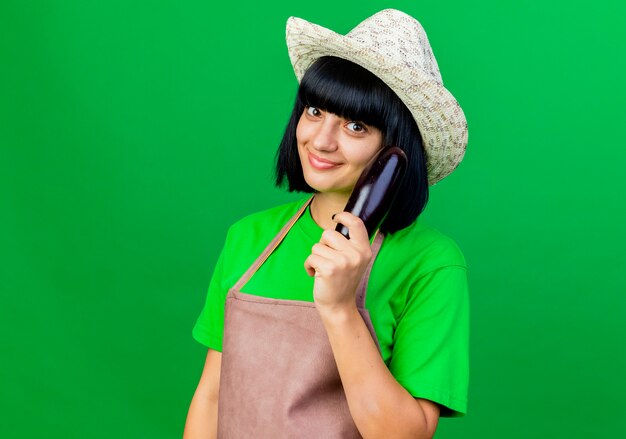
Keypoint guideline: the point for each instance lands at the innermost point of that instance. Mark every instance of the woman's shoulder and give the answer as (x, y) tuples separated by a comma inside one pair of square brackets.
[(424, 246)]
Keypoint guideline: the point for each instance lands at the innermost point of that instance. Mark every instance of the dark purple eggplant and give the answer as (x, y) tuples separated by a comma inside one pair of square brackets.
[(375, 190)]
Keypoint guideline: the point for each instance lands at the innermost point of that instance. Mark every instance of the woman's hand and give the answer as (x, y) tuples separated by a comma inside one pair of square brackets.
[(338, 264)]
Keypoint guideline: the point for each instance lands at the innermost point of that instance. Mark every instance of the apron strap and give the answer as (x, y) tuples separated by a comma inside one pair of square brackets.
[(361, 289), (270, 248)]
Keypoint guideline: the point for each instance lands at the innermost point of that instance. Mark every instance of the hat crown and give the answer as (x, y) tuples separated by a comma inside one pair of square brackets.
[(400, 39)]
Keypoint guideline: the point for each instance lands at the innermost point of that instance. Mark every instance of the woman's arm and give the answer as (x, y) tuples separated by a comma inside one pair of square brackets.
[(379, 405), (202, 415)]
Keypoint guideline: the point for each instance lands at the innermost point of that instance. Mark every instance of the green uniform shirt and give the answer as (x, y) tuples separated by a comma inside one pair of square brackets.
[(417, 297)]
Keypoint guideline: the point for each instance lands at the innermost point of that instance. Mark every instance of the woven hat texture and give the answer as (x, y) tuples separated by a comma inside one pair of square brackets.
[(393, 46)]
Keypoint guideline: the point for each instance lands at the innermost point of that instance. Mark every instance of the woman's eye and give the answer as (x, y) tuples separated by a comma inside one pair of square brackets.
[(356, 127), (313, 111)]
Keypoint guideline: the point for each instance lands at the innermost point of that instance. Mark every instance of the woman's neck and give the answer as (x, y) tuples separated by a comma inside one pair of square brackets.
[(324, 205)]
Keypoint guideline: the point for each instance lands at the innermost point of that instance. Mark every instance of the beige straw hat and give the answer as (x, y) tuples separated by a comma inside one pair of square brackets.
[(393, 46)]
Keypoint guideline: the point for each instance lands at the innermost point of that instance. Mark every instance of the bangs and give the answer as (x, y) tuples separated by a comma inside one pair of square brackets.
[(347, 90)]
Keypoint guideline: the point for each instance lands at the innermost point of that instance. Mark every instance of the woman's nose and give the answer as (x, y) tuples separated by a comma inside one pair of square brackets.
[(325, 138)]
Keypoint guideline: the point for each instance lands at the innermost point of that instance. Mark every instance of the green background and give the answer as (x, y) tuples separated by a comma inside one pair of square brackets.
[(133, 134)]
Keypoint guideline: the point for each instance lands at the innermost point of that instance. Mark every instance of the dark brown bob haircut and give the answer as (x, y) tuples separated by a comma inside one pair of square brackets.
[(350, 91)]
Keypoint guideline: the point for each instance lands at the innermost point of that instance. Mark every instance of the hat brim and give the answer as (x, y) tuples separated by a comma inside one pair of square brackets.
[(439, 117)]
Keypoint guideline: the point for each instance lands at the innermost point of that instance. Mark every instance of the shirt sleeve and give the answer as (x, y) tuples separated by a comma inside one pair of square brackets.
[(430, 356), (209, 327)]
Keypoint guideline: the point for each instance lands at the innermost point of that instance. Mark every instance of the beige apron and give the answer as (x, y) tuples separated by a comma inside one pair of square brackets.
[(279, 378)]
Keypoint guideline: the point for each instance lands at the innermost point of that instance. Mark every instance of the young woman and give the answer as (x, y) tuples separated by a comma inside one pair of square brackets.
[(314, 335)]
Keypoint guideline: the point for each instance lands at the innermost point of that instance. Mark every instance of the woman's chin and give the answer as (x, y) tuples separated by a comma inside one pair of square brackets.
[(326, 188)]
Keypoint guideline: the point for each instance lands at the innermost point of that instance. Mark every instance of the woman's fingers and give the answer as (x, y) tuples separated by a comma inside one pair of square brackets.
[(326, 261), (334, 255), (317, 265), (356, 228), (323, 250)]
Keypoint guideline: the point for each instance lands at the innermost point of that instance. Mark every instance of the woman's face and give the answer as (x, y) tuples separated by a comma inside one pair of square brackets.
[(333, 150)]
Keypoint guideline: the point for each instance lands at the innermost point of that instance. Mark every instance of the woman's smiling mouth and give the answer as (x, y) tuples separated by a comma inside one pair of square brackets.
[(320, 163)]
